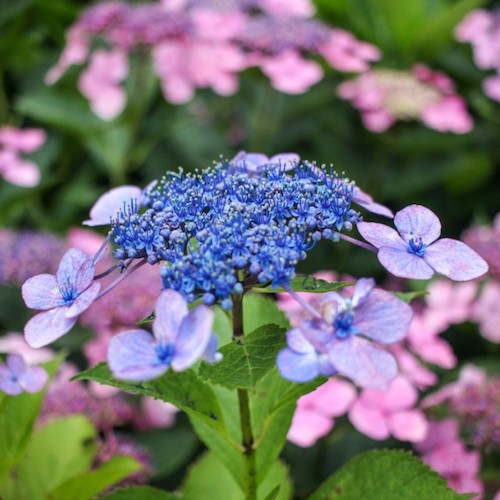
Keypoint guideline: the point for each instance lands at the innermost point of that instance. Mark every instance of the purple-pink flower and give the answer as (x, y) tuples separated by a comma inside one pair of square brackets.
[(62, 298), (342, 339), (13, 142), (180, 337), (415, 250), (17, 377)]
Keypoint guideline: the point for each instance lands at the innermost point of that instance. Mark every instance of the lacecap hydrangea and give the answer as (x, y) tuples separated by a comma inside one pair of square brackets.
[(223, 230)]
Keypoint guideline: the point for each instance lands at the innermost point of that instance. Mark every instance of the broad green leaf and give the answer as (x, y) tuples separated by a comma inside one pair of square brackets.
[(88, 485), (308, 284), (259, 310), (208, 478), (60, 450), (184, 390), (245, 364), (140, 493), (385, 475), (17, 416), (274, 493)]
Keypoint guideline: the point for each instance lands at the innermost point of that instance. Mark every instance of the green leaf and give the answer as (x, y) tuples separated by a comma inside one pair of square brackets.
[(274, 493), (245, 364), (385, 475), (308, 284), (409, 296), (184, 390), (87, 485), (17, 416), (208, 478), (259, 310), (140, 493), (56, 453)]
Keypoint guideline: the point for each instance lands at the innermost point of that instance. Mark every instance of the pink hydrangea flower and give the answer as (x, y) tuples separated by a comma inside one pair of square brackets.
[(385, 96), (379, 414), (301, 8), (487, 312), (13, 142), (444, 452), (315, 413)]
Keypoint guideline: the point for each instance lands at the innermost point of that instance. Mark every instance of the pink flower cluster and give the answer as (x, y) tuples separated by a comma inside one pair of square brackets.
[(445, 452), (481, 28), (384, 96), (197, 44), (14, 142)]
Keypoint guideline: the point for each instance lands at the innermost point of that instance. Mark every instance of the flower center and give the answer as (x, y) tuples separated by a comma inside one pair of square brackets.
[(416, 246), (343, 324), (165, 353)]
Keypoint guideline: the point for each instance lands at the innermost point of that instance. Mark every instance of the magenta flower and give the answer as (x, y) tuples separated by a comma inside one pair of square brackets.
[(16, 377), (62, 298), (339, 342), (180, 337), (415, 252)]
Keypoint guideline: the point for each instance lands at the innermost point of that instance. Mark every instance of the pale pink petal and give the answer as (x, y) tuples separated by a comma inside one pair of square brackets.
[(455, 260), (307, 427), (369, 420), (109, 102), (301, 8), (448, 115), (491, 87), (401, 395), (110, 203), (21, 172), (408, 425), (403, 264), (333, 398), (22, 140), (377, 120)]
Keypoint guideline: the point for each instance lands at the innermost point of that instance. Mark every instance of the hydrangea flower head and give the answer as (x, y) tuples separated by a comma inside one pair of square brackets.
[(180, 337), (341, 341), (62, 298), (16, 377), (415, 250)]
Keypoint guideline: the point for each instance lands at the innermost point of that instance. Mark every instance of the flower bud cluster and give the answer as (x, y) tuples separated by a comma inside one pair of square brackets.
[(221, 231)]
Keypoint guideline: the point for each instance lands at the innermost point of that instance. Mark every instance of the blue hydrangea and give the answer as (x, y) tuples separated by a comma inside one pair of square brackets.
[(221, 231)]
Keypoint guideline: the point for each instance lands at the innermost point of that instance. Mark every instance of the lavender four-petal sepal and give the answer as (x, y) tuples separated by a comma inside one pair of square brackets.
[(62, 298), (180, 338), (415, 250), (17, 377), (372, 316)]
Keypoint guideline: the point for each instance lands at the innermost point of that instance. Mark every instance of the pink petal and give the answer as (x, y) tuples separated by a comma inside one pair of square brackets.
[(171, 309), (193, 338), (110, 203), (401, 395), (47, 327), (455, 260), (369, 420), (22, 140), (23, 173), (383, 317), (403, 264), (132, 356), (333, 398), (416, 220), (364, 363), (491, 87), (380, 235), (109, 102), (307, 427), (41, 292), (408, 425), (377, 120)]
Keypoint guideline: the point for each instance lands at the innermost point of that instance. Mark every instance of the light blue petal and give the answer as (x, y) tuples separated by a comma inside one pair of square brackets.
[(416, 220), (297, 367), (383, 317), (132, 356), (41, 292), (171, 308), (16, 364), (193, 339), (83, 301), (47, 327), (75, 271), (403, 264), (33, 379)]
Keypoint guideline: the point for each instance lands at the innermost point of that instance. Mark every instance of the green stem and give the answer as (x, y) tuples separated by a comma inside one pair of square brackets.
[(247, 439)]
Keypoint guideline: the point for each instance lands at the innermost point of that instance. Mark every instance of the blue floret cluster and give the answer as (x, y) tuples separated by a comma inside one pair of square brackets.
[(224, 230)]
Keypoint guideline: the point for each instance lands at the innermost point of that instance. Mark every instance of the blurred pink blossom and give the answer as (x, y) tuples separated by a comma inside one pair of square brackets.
[(385, 96), (14, 343), (380, 414), (302, 8), (487, 311), (314, 416), (444, 452), (156, 414), (13, 142)]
